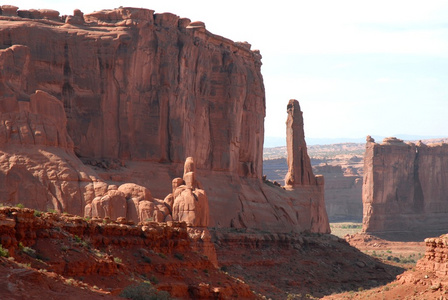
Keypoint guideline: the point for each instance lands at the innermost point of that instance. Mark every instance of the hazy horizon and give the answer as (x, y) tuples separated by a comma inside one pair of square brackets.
[(273, 142)]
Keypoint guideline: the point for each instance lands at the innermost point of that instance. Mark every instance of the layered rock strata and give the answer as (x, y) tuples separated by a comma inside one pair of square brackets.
[(405, 188), (105, 255), (436, 256), (141, 92)]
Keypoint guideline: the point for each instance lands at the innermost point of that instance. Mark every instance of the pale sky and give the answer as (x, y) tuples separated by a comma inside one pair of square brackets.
[(357, 67)]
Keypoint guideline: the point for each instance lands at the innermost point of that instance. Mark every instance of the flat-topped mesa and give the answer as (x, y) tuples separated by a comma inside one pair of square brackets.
[(404, 188), (299, 164)]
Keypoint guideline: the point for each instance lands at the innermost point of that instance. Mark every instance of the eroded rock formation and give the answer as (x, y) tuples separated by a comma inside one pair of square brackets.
[(405, 188), (142, 91), (436, 256), (299, 165)]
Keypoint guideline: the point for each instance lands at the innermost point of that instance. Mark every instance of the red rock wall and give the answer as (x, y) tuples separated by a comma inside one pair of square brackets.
[(146, 86), (143, 91), (405, 188)]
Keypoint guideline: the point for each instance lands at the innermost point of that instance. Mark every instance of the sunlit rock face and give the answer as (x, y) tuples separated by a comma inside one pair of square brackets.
[(140, 93), (405, 188)]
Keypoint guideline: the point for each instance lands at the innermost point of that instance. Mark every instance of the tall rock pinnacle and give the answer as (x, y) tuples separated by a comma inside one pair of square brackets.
[(299, 165)]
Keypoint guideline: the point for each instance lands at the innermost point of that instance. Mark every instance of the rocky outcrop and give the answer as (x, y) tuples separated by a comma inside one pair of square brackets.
[(190, 203), (436, 256), (404, 189), (100, 258), (141, 92)]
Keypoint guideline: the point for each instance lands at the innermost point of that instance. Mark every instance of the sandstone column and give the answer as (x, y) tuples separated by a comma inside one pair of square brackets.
[(299, 165)]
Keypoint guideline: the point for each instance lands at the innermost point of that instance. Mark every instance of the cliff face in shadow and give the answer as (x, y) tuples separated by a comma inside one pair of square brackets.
[(404, 189)]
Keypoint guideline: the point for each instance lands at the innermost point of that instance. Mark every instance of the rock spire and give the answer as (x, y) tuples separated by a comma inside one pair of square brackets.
[(299, 165)]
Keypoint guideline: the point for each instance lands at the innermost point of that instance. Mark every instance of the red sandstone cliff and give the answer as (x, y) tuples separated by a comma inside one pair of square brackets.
[(141, 92), (405, 188)]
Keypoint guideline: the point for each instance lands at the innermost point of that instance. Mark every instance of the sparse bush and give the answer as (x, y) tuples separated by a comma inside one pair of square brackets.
[(20, 205), (3, 252), (27, 250), (162, 255), (81, 242), (147, 259), (154, 279), (37, 213), (118, 260), (144, 291)]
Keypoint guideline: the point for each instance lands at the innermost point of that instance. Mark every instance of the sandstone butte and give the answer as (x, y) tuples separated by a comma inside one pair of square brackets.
[(405, 189), (100, 111)]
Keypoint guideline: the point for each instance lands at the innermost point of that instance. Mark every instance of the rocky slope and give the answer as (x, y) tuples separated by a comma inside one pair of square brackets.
[(66, 256), (404, 190), (292, 266), (140, 93)]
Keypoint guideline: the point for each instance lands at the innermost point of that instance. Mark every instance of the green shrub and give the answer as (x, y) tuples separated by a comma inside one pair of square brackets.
[(144, 291), (3, 252), (20, 205), (37, 213), (81, 242), (27, 250), (118, 260)]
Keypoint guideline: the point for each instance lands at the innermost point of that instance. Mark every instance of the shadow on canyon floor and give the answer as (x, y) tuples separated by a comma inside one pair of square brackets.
[(278, 265)]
